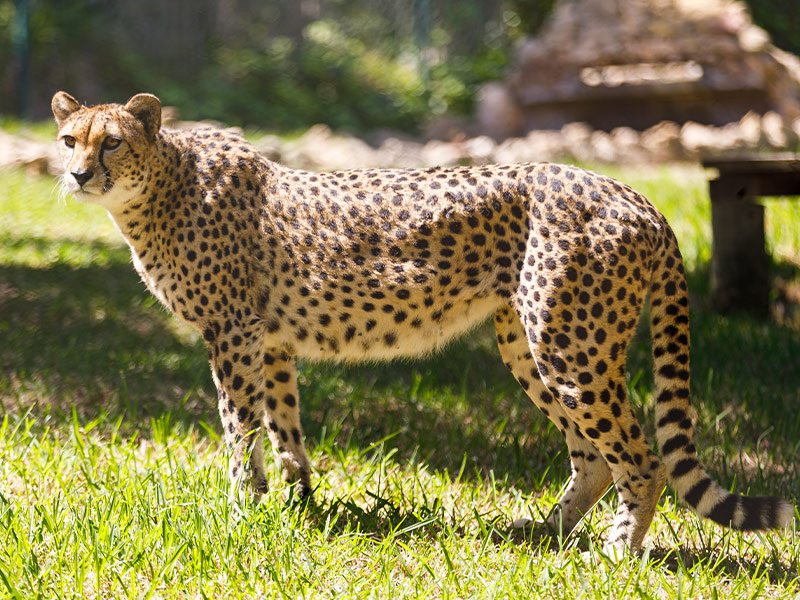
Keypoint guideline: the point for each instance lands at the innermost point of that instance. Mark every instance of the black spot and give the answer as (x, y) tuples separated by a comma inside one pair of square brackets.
[(604, 425)]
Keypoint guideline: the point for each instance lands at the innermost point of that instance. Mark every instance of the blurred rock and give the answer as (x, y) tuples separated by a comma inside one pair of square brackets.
[(636, 63), (749, 127), (603, 147), (269, 146), (576, 138), (480, 150), (661, 142), (499, 113), (545, 145), (518, 150), (446, 127), (775, 132), (396, 152), (627, 143), (446, 154), (697, 139), (321, 149), (20, 151)]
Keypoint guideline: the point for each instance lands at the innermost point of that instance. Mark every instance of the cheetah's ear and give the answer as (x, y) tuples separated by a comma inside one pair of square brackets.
[(63, 106), (147, 109)]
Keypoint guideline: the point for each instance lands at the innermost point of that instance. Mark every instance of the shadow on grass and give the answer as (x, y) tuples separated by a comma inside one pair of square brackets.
[(92, 337), (459, 405), (381, 519), (746, 365), (681, 560)]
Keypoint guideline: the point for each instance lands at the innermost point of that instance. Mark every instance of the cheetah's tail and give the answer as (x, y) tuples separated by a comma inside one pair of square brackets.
[(669, 326)]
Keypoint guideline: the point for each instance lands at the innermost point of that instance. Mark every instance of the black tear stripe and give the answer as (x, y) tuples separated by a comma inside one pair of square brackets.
[(108, 183)]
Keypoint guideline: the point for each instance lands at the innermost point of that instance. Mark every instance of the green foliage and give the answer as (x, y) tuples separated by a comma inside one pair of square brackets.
[(6, 24), (357, 65), (532, 14), (329, 78), (333, 77), (781, 19)]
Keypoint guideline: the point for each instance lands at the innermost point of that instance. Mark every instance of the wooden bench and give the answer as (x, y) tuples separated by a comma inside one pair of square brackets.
[(739, 266)]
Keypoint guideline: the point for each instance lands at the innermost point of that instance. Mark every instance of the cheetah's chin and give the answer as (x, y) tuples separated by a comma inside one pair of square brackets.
[(84, 195), (92, 194)]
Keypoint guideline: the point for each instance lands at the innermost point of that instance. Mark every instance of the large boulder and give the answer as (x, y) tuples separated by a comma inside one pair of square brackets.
[(636, 63)]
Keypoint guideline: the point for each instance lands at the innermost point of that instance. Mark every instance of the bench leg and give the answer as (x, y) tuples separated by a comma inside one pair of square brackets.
[(739, 267)]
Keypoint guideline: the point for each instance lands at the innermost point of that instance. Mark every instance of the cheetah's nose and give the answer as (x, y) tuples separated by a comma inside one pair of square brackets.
[(82, 176)]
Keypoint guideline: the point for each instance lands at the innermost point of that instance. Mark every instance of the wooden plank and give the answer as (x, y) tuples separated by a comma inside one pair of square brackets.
[(756, 165)]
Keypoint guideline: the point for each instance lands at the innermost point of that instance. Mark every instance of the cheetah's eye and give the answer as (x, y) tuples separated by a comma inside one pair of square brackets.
[(69, 141), (111, 142)]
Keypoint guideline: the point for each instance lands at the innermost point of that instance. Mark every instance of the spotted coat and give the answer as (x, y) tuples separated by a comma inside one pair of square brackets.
[(270, 263)]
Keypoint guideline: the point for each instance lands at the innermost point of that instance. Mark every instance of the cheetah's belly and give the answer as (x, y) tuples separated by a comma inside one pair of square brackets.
[(357, 341)]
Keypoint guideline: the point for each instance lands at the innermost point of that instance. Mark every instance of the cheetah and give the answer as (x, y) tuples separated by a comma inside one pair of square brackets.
[(269, 263)]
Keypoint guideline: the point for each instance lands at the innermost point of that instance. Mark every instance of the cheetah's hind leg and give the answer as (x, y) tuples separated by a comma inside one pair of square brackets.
[(591, 475), (584, 377)]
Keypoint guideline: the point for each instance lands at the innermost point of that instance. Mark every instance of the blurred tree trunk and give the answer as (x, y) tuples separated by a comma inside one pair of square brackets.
[(175, 32), (22, 57), (293, 20)]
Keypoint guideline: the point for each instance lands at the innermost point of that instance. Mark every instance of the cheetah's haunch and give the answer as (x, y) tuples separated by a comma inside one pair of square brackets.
[(269, 263)]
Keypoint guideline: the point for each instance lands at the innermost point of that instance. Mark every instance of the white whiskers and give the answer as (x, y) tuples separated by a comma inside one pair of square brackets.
[(60, 190)]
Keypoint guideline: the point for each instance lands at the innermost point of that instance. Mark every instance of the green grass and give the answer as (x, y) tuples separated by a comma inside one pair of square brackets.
[(112, 474), (41, 130)]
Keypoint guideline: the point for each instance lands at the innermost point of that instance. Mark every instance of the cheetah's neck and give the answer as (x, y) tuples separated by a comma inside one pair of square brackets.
[(141, 219)]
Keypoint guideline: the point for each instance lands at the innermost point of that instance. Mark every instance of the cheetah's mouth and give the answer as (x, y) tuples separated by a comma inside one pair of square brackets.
[(87, 191)]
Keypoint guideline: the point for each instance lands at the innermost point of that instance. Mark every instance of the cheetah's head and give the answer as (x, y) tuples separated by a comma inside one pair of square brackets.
[(105, 149)]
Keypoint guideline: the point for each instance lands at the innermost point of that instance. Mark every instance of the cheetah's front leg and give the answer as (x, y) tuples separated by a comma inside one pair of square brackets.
[(255, 388), (238, 373), (283, 419)]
